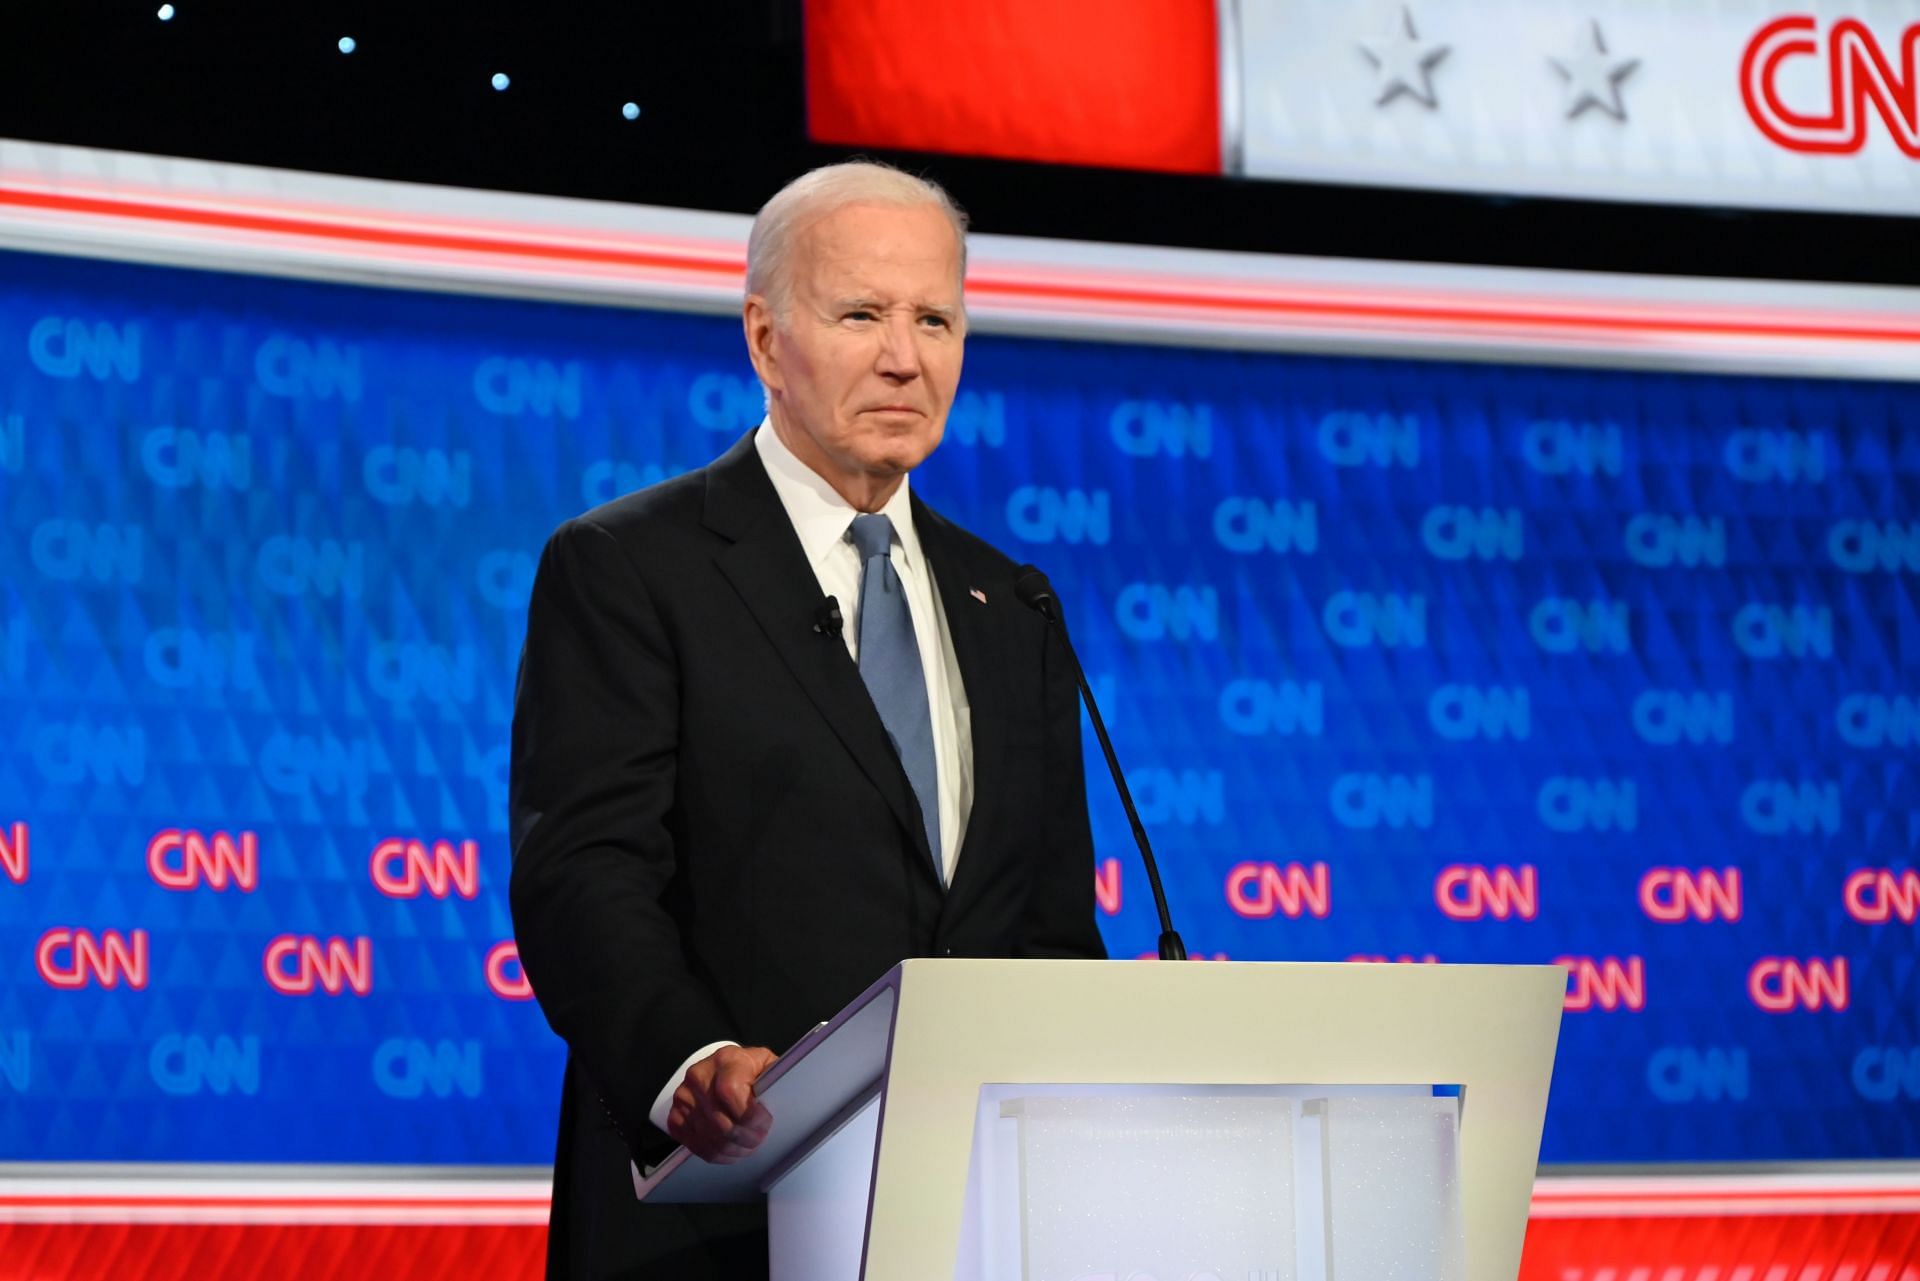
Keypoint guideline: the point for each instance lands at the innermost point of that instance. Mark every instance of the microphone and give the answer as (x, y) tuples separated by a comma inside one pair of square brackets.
[(827, 619), (1036, 593)]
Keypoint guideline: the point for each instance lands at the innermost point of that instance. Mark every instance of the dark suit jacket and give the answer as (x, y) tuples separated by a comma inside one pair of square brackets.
[(714, 840)]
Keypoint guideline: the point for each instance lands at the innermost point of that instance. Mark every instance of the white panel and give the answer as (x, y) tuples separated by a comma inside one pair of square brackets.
[(817, 1211), (1392, 1186)]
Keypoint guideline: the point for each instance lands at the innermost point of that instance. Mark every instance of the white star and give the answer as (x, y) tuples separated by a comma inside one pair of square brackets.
[(1405, 63), (1593, 77)]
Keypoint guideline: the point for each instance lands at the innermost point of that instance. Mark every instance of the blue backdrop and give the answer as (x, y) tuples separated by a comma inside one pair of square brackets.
[(1409, 661)]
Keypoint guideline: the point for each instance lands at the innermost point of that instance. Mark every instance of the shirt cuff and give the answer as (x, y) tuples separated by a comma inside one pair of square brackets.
[(663, 1101)]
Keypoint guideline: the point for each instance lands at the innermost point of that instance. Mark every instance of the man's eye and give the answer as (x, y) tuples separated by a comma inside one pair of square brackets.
[(939, 322), (859, 315)]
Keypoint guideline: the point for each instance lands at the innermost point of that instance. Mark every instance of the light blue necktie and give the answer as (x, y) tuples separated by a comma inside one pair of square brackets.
[(890, 665)]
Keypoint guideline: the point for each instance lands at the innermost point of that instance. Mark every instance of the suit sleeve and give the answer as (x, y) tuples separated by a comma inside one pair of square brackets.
[(595, 733), (1060, 913)]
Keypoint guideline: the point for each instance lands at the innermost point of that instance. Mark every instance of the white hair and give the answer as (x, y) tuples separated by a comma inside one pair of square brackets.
[(822, 191)]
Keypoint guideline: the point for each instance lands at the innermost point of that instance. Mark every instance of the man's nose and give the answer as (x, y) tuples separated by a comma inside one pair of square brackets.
[(899, 350)]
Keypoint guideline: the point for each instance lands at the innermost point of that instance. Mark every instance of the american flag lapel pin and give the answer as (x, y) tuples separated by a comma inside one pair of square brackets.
[(977, 594)]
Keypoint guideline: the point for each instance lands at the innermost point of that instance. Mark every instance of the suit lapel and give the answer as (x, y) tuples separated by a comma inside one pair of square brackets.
[(769, 570), (979, 653)]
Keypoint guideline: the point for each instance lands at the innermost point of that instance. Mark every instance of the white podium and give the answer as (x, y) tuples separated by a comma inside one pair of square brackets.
[(1154, 1121)]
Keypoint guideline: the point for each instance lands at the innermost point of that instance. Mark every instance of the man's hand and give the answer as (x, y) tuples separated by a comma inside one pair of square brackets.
[(714, 1113)]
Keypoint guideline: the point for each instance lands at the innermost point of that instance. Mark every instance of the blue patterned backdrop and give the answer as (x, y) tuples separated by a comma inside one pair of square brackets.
[(1409, 661)]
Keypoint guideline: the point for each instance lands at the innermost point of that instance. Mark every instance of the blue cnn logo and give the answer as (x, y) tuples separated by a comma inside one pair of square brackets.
[(606, 479), (504, 578), (1185, 796), (289, 565), (726, 402), (1562, 626), (298, 369), (1351, 438), (1878, 720), (1668, 716), (1589, 804), (69, 551), (1780, 807), (182, 658), (1464, 533), (1788, 457), (177, 458), (1154, 611), (1463, 712), (402, 672), (511, 385), (1704, 1074), (1286, 708), (301, 765), (16, 1059), (73, 752), (1659, 541), (1781, 631), (978, 419), (1556, 448), (1362, 620), (1887, 1073), (1250, 525), (397, 476), (1153, 428), (68, 346), (183, 1065), (1865, 546), (1382, 800), (1037, 514), (408, 1068)]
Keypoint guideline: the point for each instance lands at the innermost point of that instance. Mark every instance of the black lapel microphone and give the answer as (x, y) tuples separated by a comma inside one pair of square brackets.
[(1035, 592), (827, 619)]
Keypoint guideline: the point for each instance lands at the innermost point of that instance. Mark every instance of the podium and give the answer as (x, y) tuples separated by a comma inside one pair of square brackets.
[(993, 1120)]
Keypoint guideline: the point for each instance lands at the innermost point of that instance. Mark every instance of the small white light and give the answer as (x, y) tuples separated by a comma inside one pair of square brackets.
[(631, 111), (166, 13), (348, 44), (500, 80)]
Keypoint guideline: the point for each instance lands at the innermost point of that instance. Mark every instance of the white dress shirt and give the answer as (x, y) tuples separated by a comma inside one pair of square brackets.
[(821, 517)]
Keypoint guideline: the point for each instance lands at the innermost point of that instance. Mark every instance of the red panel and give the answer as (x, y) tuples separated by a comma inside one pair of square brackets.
[(1127, 86), (272, 1252), (1789, 1247)]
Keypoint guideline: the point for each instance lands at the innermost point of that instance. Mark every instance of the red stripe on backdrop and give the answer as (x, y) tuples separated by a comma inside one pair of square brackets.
[(280, 1252), (1790, 1247), (1126, 86)]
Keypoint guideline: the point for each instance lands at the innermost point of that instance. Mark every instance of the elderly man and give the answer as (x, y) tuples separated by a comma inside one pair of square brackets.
[(734, 805)]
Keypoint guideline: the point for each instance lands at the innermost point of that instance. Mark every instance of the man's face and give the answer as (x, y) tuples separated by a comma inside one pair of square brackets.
[(862, 367)]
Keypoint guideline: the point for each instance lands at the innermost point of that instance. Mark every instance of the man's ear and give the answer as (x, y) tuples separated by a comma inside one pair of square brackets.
[(757, 319)]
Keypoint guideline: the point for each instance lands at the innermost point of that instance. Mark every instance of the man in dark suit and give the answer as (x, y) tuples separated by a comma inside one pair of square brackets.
[(730, 814)]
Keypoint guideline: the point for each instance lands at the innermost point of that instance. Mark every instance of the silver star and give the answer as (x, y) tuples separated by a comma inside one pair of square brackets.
[(1405, 64), (1593, 78)]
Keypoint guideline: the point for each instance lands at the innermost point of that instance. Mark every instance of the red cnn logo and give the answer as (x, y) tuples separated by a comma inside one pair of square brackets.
[(1467, 892), (13, 853), (1259, 890), (1779, 984), (1676, 894), (512, 987), (1379, 958), (401, 868), (334, 966), (106, 959), (1875, 895), (216, 860), (1106, 886), (1604, 984), (1858, 72)]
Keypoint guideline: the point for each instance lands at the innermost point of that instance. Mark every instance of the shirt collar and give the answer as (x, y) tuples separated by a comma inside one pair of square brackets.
[(819, 514)]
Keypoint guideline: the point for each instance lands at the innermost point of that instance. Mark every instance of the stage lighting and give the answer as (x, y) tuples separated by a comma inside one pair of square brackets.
[(348, 44), (166, 13), (500, 80), (631, 111)]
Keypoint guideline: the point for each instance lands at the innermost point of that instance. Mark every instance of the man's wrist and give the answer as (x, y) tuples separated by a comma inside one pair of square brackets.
[(663, 1101)]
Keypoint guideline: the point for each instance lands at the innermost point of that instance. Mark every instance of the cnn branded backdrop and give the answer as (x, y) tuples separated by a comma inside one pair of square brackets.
[(1409, 661)]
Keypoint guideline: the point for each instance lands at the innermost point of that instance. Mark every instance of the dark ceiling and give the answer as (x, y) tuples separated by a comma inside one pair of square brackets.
[(722, 124)]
